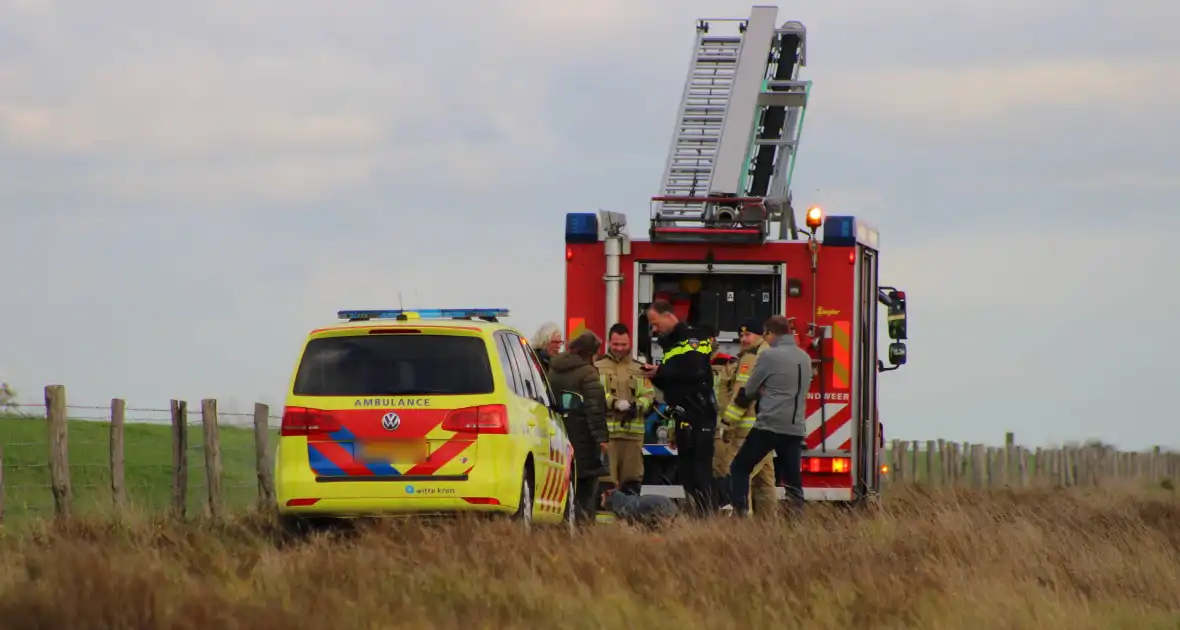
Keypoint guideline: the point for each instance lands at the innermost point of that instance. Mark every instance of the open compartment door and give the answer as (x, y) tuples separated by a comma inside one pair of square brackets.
[(721, 295)]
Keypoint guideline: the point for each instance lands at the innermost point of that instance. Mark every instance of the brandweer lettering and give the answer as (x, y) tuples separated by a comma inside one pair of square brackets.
[(400, 403), (829, 396)]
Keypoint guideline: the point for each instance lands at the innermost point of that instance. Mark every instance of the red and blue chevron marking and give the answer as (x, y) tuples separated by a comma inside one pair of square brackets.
[(334, 454), (337, 458)]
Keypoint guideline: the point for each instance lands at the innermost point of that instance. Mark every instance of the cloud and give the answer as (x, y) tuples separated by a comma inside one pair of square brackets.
[(191, 190), (1052, 333), (197, 124), (1008, 94)]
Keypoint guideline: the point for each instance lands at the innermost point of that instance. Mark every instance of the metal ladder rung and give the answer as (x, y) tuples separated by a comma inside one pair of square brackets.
[(721, 39)]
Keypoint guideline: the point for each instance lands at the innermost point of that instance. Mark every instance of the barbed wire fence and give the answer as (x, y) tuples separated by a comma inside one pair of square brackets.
[(58, 459), (64, 459)]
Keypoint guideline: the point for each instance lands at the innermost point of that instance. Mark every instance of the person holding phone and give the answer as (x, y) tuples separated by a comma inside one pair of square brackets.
[(686, 379)]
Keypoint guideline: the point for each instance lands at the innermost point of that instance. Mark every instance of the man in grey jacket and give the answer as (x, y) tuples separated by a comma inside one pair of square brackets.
[(778, 384)]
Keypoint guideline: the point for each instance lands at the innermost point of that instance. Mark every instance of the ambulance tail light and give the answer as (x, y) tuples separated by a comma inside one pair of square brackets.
[(483, 420), (827, 465), (301, 421)]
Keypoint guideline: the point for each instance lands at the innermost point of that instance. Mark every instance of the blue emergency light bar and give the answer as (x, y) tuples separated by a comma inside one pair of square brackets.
[(847, 231), (581, 227), (424, 313)]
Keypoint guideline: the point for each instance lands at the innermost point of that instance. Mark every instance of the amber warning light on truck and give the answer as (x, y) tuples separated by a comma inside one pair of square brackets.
[(815, 217)]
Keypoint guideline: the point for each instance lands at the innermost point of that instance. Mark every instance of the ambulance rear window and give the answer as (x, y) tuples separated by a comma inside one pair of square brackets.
[(394, 365)]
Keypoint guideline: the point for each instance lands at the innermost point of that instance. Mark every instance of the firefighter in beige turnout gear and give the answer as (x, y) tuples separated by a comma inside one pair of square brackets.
[(737, 422), (629, 396), (723, 366)]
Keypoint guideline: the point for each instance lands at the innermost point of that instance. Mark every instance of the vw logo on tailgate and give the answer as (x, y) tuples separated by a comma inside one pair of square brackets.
[(391, 421)]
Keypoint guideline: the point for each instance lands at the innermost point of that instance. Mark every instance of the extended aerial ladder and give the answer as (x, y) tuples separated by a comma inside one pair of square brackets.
[(728, 173)]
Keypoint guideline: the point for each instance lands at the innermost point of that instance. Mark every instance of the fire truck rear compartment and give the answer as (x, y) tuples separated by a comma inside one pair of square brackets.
[(721, 300)]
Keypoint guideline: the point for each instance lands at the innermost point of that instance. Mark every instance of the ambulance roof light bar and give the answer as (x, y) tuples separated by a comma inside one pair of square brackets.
[(402, 315)]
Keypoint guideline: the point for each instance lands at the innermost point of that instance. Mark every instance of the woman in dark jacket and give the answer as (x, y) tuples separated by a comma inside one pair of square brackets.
[(574, 371)]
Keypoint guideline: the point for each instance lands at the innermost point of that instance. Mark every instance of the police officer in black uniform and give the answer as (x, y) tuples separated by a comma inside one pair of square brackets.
[(686, 379)]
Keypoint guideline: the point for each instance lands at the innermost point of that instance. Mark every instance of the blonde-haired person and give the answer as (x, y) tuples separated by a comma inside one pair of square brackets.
[(546, 343)]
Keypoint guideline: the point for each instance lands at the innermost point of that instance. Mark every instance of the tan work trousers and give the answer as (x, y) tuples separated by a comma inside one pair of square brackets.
[(764, 497), (626, 461)]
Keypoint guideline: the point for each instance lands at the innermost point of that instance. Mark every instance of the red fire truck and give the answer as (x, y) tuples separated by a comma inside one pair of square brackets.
[(710, 252)]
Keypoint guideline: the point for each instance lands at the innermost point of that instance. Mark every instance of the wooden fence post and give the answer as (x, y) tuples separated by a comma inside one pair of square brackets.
[(1155, 465), (1022, 467), (915, 457), (179, 458), (212, 456), (955, 474), (1, 483), (978, 466), (118, 487), (59, 450), (266, 483), (1010, 453), (899, 463), (931, 467)]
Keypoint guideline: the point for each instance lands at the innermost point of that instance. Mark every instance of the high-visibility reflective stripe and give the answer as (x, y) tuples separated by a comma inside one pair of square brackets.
[(610, 397), (684, 347), (747, 422), (841, 353), (742, 378), (643, 394), (734, 413)]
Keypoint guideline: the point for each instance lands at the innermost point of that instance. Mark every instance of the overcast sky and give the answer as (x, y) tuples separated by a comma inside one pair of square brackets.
[(187, 188)]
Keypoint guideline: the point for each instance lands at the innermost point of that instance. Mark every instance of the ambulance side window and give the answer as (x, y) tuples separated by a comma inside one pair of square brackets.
[(511, 373), (542, 384), (522, 365), (529, 368)]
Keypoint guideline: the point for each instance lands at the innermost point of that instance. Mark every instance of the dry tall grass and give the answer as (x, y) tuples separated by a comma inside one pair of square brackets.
[(1026, 560)]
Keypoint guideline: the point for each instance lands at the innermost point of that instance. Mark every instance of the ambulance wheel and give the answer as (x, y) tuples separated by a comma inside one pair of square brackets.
[(570, 511), (302, 526), (524, 513)]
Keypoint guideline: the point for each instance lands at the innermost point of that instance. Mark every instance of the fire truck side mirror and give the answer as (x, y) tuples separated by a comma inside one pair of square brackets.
[(897, 354), (896, 318)]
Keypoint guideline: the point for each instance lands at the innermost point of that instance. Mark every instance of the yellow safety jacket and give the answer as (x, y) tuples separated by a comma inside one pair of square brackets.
[(623, 380), (735, 416)]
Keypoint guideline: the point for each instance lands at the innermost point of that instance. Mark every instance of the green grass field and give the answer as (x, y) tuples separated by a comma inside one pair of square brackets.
[(148, 467)]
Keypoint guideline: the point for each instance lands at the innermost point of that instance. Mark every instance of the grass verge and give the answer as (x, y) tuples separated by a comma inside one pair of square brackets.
[(1032, 559), (147, 466)]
